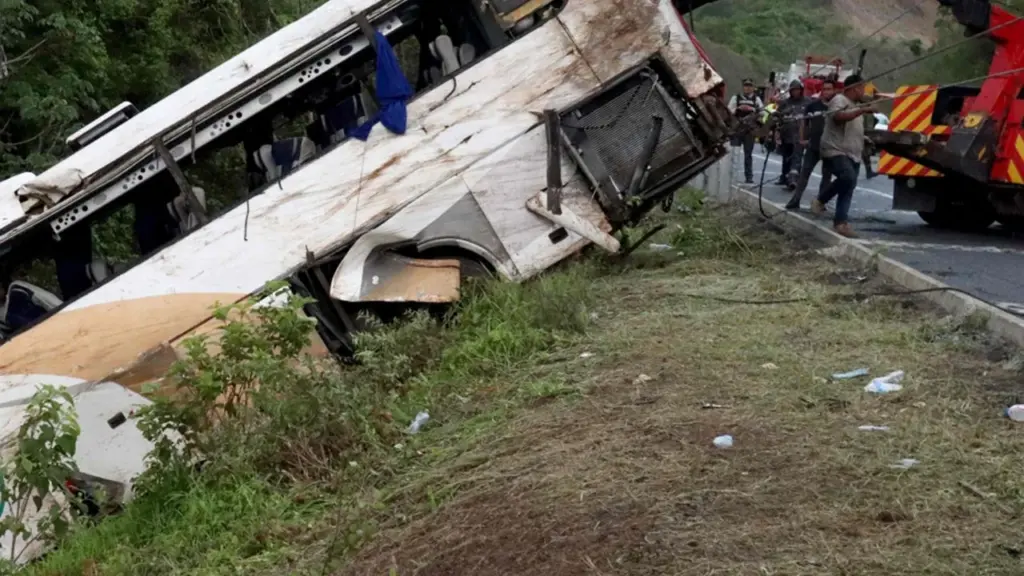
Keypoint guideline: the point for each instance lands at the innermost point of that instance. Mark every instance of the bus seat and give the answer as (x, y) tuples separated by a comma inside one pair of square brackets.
[(452, 58), (25, 303), (337, 122), (280, 158), (182, 214), (98, 270)]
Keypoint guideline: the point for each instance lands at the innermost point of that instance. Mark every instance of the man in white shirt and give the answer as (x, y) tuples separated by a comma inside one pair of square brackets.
[(842, 145)]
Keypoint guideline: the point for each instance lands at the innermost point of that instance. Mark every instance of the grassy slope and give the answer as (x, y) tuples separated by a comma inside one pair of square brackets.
[(540, 461)]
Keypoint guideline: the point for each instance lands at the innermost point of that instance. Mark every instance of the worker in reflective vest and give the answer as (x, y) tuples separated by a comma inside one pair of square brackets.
[(745, 107)]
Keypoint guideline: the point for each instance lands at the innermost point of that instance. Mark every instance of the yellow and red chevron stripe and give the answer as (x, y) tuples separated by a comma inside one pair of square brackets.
[(912, 111), (1014, 163)]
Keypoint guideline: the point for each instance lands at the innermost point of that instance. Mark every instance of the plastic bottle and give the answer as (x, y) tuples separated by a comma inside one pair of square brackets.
[(418, 422), (885, 384), (1015, 412)]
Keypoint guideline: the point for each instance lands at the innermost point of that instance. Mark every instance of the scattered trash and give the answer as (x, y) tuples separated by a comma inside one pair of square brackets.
[(642, 379), (712, 406), (769, 366), (660, 247), (1015, 412), (859, 372), (905, 464), (418, 422), (586, 355), (594, 315), (723, 441), (871, 428), (886, 384)]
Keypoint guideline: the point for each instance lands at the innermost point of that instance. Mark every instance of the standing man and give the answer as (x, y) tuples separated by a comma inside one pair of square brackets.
[(745, 108), (811, 130), (842, 145), (790, 134)]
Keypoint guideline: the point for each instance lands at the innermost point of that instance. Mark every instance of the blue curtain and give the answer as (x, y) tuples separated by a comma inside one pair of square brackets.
[(393, 91)]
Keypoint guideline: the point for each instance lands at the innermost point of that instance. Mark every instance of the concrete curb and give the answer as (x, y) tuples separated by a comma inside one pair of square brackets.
[(1000, 322)]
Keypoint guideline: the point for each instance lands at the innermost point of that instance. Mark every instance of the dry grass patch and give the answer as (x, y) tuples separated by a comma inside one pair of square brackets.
[(614, 473)]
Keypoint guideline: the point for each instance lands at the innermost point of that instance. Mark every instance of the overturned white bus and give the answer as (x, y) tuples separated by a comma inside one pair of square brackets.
[(531, 129)]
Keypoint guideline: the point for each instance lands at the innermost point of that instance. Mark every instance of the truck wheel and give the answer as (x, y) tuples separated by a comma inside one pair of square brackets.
[(963, 216), (1012, 223)]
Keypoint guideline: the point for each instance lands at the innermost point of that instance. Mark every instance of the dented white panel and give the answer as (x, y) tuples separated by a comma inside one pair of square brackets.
[(347, 284), (115, 454)]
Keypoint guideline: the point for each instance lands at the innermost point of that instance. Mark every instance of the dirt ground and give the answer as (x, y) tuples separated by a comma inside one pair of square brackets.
[(614, 472)]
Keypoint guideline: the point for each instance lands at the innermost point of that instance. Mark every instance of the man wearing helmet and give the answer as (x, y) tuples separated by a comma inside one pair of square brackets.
[(790, 117)]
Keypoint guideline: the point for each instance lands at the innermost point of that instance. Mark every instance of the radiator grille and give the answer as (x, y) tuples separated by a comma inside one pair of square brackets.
[(618, 127)]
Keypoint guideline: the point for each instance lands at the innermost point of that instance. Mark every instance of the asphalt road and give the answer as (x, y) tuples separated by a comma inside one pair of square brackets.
[(989, 265)]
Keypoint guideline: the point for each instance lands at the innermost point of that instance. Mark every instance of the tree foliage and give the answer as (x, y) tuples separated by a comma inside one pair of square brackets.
[(69, 61)]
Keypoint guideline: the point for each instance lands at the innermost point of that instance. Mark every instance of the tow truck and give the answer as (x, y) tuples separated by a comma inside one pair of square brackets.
[(956, 154)]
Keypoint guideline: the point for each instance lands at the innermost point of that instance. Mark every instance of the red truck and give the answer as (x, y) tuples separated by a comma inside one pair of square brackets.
[(956, 154)]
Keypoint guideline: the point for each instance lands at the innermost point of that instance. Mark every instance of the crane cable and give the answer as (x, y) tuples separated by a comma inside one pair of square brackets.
[(760, 187), (798, 117), (843, 52), (917, 93), (849, 49), (944, 49), (764, 165)]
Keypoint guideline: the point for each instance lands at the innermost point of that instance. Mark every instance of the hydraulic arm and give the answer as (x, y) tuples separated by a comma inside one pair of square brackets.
[(987, 120)]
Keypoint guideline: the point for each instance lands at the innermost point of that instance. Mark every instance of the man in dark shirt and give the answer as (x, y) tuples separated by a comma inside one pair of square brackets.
[(810, 136), (789, 132)]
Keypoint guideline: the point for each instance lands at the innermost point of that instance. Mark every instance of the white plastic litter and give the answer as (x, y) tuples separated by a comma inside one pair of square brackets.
[(418, 422), (642, 379), (660, 247), (586, 355), (1015, 412), (769, 366), (871, 428), (885, 384), (905, 464), (723, 441), (851, 374)]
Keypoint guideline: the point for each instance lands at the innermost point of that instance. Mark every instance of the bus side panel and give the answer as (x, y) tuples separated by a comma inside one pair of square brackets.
[(320, 207), (503, 182)]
